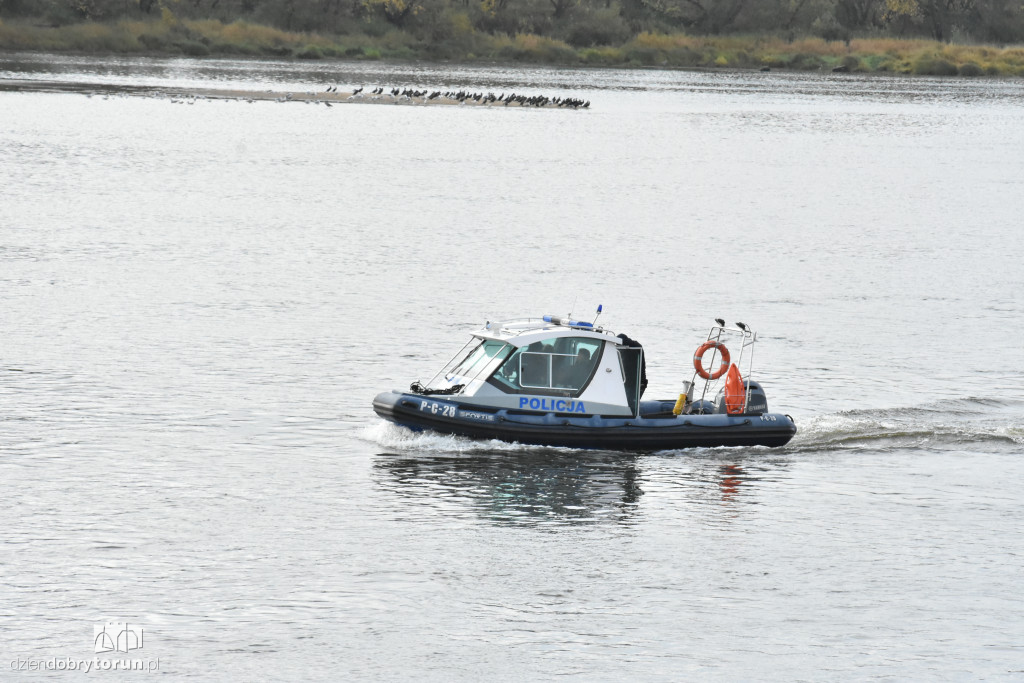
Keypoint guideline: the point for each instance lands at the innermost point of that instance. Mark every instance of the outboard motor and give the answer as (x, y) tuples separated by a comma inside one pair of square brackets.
[(757, 402)]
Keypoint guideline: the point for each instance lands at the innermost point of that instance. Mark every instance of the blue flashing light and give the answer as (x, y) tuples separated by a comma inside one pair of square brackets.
[(555, 320)]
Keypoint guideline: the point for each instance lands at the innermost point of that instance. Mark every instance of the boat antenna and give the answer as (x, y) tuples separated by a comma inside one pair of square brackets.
[(599, 309), (573, 307)]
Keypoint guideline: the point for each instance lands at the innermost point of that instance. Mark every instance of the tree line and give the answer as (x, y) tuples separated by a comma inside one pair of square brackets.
[(580, 23)]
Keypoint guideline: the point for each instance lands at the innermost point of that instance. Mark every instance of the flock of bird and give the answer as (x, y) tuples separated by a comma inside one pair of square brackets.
[(463, 96), (378, 94)]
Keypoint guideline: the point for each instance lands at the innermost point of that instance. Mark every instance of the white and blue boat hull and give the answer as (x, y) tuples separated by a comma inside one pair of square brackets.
[(654, 429)]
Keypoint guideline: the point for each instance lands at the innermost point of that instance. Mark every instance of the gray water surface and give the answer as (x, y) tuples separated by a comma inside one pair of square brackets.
[(200, 301)]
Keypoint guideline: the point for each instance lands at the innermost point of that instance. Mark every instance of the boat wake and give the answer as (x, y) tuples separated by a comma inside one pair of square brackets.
[(947, 424), (403, 440)]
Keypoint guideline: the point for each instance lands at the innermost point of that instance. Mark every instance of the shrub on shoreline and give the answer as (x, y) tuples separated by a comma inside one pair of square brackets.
[(452, 37)]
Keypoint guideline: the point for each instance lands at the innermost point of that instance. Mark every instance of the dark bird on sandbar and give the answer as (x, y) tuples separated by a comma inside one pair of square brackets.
[(357, 90)]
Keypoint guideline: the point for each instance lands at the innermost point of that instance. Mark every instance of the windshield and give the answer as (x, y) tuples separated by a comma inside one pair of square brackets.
[(480, 357)]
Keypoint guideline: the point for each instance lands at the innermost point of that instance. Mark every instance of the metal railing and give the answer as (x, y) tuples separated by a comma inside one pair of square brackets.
[(746, 338)]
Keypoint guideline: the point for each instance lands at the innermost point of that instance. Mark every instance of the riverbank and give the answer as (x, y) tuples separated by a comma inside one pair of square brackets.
[(214, 38)]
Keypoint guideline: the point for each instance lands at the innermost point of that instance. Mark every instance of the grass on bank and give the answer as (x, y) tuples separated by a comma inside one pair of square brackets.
[(168, 35)]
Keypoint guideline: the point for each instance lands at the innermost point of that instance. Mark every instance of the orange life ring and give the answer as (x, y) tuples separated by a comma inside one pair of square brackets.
[(699, 357)]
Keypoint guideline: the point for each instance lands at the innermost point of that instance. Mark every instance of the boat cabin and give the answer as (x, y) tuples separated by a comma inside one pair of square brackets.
[(547, 365)]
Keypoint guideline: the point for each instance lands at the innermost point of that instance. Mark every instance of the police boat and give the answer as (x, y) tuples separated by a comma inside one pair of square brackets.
[(554, 381)]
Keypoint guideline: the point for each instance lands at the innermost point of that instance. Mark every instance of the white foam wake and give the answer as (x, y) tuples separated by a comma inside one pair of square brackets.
[(394, 437)]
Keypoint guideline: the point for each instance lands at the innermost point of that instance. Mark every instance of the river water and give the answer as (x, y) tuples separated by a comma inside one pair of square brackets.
[(200, 301)]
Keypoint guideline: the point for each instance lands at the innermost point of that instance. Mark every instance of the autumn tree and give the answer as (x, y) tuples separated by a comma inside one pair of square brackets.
[(938, 17)]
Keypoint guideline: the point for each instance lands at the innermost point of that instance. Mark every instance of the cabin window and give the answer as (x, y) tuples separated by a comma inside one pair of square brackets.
[(561, 367), (535, 369)]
